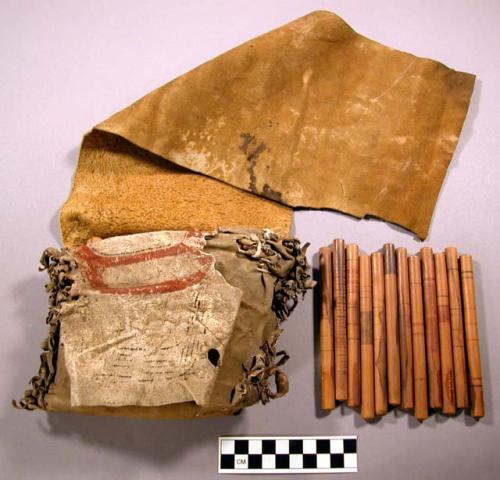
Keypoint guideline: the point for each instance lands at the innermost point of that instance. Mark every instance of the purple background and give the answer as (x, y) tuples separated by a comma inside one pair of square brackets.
[(67, 65)]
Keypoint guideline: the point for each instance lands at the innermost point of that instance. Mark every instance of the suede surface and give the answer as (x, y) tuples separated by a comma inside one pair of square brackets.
[(312, 115), (119, 189)]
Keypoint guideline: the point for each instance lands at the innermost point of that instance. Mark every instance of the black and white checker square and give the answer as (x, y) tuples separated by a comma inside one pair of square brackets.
[(288, 454)]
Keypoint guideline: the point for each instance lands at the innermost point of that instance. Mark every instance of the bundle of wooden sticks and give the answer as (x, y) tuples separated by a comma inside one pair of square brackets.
[(399, 330)]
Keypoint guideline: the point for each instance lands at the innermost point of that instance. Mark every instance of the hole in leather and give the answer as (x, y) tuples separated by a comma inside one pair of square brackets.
[(214, 356)]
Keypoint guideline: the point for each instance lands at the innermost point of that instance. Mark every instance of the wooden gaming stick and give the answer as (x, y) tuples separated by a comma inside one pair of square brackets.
[(431, 328), (445, 340), (471, 337), (405, 342), (326, 331), (353, 345), (457, 328), (391, 317), (366, 334), (379, 334), (340, 319), (418, 337)]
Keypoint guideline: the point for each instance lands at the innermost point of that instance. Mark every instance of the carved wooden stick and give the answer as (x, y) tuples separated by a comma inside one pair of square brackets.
[(379, 334), (340, 319), (431, 328), (404, 311), (353, 346), (457, 328), (445, 342), (471, 337), (418, 338), (391, 317), (366, 328), (326, 331)]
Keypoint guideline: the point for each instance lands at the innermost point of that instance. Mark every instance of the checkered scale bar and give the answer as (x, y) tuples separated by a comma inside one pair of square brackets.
[(288, 454)]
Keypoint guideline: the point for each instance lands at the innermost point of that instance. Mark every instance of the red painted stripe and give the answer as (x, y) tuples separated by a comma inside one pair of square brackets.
[(94, 266)]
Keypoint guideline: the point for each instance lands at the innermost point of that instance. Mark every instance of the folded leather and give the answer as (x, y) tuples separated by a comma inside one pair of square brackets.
[(120, 189), (312, 115)]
